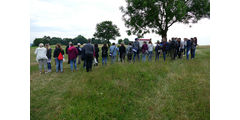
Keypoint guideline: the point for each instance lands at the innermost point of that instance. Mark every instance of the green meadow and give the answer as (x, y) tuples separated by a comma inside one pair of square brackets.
[(171, 90)]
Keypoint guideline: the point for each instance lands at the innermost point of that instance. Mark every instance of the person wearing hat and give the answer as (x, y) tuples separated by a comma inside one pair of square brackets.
[(79, 53)]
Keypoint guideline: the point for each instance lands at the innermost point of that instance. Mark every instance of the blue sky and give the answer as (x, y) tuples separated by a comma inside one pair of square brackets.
[(69, 18)]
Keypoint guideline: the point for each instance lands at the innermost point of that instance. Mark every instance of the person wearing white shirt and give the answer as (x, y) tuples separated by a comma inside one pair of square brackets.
[(41, 58), (150, 51)]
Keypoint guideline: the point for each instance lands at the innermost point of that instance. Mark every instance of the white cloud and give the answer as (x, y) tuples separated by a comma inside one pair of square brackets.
[(69, 18)]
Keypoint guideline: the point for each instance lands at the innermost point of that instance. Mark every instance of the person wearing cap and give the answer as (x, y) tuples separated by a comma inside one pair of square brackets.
[(79, 53), (136, 49), (41, 58)]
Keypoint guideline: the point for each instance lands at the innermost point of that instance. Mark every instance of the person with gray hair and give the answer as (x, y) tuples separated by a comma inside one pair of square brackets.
[(41, 58)]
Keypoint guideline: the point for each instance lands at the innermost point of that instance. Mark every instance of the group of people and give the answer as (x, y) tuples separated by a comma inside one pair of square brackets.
[(89, 54)]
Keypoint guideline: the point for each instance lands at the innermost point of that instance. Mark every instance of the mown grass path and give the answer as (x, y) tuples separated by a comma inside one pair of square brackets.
[(171, 90)]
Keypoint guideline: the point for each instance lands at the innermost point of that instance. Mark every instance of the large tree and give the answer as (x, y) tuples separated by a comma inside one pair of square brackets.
[(156, 16), (106, 31)]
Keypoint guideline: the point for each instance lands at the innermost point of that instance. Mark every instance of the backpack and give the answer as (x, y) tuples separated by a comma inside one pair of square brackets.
[(104, 53), (60, 56), (130, 52)]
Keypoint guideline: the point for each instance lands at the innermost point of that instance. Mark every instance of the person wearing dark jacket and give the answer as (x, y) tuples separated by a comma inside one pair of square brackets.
[(96, 52), (122, 50), (67, 51), (144, 51), (104, 54), (79, 53), (88, 55), (189, 44), (49, 55), (57, 56)]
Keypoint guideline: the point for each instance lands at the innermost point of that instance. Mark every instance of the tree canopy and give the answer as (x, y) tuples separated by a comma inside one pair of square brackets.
[(54, 40), (156, 16), (106, 31)]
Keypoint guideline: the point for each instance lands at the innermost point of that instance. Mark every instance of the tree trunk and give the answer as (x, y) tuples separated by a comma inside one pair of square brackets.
[(164, 36)]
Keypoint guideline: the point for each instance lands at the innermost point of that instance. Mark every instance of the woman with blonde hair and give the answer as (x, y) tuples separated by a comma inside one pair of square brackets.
[(41, 58)]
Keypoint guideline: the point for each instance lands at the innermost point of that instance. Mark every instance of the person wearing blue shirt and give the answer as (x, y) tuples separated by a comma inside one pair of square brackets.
[(113, 52)]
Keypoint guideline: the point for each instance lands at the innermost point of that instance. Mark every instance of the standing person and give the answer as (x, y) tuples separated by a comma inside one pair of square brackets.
[(181, 49), (164, 48), (129, 52), (79, 53), (189, 44), (113, 52), (157, 51), (88, 53), (122, 51), (72, 55), (104, 54), (144, 51), (193, 47), (41, 57), (185, 46), (67, 51), (59, 55), (136, 49), (96, 50), (150, 51), (49, 55)]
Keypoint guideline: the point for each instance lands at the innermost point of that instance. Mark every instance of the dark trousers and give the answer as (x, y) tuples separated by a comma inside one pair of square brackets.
[(89, 60), (193, 53), (122, 57)]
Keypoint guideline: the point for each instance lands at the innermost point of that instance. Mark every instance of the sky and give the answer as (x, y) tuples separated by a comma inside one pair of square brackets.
[(70, 18)]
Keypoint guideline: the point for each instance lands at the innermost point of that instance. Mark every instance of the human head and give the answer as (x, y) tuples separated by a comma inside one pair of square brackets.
[(130, 43), (96, 45), (79, 44), (136, 39), (47, 46), (158, 42), (113, 43), (69, 43), (41, 45), (150, 42), (105, 45), (58, 46)]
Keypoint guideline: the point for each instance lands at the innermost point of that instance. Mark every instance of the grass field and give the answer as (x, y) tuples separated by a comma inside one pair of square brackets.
[(171, 90)]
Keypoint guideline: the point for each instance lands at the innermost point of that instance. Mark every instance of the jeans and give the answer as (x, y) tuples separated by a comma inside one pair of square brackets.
[(193, 53), (188, 50), (84, 63), (104, 60), (49, 64), (157, 56), (59, 62), (134, 56), (144, 57), (113, 58), (73, 61), (164, 55), (44, 63), (122, 57), (150, 55)]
